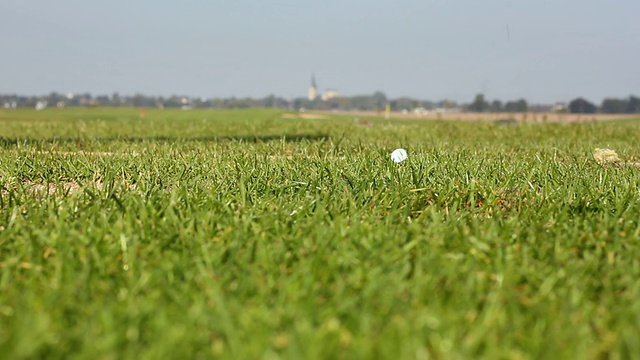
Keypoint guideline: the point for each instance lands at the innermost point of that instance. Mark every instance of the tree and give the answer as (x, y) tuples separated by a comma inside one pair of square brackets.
[(115, 99), (102, 100), (496, 106), (516, 106), (379, 100), (403, 103), (445, 104), (633, 105), (479, 104), (138, 100), (615, 106), (582, 106)]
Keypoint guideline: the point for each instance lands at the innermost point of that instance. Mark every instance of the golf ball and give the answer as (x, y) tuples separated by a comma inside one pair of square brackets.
[(399, 155)]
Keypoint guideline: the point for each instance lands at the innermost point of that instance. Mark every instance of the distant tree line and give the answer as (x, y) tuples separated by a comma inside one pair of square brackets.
[(139, 100), (479, 104), (377, 101), (631, 105)]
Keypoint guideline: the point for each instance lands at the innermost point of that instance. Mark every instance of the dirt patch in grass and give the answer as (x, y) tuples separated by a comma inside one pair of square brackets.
[(304, 116), (40, 190), (80, 152), (63, 187)]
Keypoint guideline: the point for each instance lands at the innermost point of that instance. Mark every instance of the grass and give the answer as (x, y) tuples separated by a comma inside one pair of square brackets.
[(243, 234)]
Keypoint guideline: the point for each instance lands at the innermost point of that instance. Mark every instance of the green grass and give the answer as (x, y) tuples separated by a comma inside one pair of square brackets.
[(245, 235)]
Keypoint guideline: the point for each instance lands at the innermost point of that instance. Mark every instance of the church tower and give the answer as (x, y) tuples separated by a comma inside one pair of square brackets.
[(313, 89)]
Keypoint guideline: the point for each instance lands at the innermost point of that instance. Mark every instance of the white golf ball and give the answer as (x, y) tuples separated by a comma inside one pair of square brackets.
[(399, 155)]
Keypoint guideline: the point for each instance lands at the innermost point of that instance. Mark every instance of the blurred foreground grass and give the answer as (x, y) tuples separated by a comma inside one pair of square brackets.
[(246, 234)]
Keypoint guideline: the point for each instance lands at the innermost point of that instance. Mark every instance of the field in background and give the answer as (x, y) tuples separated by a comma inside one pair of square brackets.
[(258, 234), (540, 117)]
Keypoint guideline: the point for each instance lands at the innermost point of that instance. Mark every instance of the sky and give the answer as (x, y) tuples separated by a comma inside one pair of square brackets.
[(544, 51)]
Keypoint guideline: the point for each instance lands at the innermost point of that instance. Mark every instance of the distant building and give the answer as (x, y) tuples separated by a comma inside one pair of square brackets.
[(186, 103), (582, 106), (313, 89), (329, 94), (559, 107)]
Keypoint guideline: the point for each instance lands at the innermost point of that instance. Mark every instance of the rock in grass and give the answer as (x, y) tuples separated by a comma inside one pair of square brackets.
[(606, 156)]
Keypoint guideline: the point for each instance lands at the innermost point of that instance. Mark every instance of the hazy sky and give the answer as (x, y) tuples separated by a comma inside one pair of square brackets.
[(545, 51)]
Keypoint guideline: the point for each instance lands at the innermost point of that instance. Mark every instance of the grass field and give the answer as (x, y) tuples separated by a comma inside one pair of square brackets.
[(249, 235)]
